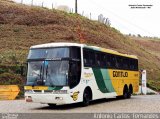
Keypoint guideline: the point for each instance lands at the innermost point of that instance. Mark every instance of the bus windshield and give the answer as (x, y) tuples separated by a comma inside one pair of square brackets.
[(46, 53), (49, 73), (50, 66)]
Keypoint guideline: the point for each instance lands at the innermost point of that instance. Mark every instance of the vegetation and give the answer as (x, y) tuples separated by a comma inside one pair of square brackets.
[(22, 26)]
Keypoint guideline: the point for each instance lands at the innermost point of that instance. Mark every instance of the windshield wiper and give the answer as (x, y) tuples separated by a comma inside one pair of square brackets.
[(46, 71), (40, 72)]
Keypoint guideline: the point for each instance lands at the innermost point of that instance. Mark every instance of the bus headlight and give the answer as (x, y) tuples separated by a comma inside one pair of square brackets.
[(60, 91)]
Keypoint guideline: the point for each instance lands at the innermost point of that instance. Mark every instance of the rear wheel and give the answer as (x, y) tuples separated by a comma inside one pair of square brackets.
[(129, 94), (130, 91), (125, 92)]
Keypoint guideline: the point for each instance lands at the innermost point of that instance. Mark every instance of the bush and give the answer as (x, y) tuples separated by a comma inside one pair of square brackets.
[(13, 79), (154, 84), (2, 70)]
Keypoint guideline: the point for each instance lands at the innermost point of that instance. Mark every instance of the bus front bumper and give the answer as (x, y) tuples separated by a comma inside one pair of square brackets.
[(49, 98)]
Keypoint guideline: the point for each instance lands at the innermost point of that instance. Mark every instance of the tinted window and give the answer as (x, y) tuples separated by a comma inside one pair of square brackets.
[(106, 60), (74, 73), (98, 59), (48, 53), (86, 58), (103, 60), (75, 53), (89, 58)]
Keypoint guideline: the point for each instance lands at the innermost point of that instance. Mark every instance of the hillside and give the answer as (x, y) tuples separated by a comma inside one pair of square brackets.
[(22, 26)]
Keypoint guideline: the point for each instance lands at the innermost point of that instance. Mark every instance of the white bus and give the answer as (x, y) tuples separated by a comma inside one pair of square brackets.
[(65, 73)]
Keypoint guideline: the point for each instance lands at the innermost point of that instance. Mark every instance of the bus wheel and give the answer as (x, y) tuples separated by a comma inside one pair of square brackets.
[(86, 97), (130, 91), (129, 94), (51, 105), (125, 92)]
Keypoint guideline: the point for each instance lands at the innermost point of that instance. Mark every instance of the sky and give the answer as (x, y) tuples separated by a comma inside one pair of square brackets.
[(143, 21)]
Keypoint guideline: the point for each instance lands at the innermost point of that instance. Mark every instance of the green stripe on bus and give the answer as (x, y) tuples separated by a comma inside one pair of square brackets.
[(99, 79), (107, 80), (55, 88), (103, 80)]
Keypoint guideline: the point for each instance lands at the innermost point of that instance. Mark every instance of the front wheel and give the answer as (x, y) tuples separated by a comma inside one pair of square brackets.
[(86, 98)]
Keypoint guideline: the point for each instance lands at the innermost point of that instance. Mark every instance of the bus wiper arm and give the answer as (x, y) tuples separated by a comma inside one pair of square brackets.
[(46, 71), (41, 72)]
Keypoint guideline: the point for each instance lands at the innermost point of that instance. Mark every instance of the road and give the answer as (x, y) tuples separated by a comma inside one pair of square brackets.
[(137, 104)]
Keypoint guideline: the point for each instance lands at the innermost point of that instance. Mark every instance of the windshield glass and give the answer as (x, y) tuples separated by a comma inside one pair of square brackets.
[(34, 72), (48, 53), (57, 73), (51, 73)]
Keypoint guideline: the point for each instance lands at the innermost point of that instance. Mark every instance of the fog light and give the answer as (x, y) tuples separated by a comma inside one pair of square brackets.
[(58, 98), (29, 99)]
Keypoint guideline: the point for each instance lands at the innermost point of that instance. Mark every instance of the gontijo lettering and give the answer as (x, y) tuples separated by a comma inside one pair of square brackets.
[(120, 74)]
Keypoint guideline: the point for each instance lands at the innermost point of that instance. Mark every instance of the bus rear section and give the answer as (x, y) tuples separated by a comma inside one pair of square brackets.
[(115, 74)]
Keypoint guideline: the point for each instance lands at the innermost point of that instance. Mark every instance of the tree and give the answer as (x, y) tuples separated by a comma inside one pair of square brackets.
[(138, 35)]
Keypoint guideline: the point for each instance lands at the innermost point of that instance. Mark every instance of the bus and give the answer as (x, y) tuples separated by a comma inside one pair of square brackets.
[(65, 73)]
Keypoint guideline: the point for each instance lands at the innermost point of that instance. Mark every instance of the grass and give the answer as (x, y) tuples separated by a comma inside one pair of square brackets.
[(22, 26)]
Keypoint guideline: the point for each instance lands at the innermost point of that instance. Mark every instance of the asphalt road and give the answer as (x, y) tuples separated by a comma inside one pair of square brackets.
[(137, 104)]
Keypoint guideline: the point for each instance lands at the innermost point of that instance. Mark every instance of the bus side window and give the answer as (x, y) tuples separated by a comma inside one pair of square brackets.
[(108, 61), (103, 61), (92, 58), (125, 64), (89, 58), (74, 74), (128, 64), (117, 62), (131, 62), (97, 59), (86, 57), (120, 62), (135, 64), (113, 61)]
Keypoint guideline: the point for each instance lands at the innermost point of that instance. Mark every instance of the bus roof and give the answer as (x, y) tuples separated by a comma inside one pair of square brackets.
[(111, 51), (50, 45)]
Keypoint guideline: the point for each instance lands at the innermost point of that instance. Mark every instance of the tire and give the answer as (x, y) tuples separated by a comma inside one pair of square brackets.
[(129, 94), (125, 93), (130, 91), (86, 98), (52, 105)]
